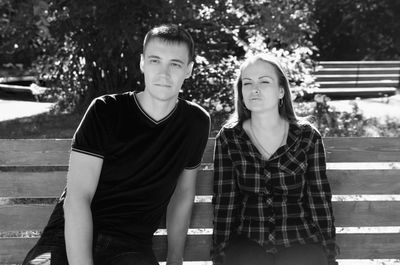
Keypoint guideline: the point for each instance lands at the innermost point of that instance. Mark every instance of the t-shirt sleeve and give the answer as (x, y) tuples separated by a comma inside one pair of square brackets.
[(92, 133), (201, 131)]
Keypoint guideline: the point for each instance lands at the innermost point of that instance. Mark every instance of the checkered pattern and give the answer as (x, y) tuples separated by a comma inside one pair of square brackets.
[(278, 202)]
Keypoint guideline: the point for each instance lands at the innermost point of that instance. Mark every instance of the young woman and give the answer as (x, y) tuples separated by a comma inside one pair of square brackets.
[(272, 199)]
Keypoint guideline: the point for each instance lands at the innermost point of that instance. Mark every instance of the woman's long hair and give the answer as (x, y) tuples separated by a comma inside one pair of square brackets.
[(285, 109)]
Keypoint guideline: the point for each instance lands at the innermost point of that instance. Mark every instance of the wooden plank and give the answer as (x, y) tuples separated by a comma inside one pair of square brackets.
[(362, 149), (32, 184), (346, 93), (51, 152), (358, 84), (348, 149), (359, 64), (343, 182), (34, 152), (347, 214), (356, 71), (24, 217), (382, 246), (353, 77), (364, 181)]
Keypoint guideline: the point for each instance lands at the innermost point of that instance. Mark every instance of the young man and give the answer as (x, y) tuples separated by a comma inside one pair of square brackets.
[(134, 158)]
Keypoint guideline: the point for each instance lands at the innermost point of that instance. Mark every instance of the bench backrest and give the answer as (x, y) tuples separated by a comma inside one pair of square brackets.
[(357, 78), (364, 174)]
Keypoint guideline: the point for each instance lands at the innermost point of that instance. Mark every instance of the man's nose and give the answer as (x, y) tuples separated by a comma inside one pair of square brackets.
[(164, 69)]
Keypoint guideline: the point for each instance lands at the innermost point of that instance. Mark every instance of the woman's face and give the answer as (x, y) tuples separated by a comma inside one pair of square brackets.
[(260, 86)]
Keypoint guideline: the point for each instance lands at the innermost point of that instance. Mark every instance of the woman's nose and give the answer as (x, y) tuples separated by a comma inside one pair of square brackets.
[(256, 89)]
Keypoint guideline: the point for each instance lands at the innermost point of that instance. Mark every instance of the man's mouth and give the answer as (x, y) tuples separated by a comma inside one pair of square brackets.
[(163, 85)]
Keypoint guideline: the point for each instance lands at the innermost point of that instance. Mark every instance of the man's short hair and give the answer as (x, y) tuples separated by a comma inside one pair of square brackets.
[(171, 33)]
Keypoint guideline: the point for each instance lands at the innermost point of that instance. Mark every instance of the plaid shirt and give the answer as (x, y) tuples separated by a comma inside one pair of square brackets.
[(278, 202)]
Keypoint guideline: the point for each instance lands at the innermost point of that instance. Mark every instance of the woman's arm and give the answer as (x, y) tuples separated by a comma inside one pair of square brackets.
[(225, 199)]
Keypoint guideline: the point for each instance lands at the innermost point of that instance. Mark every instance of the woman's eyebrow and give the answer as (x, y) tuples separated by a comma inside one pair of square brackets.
[(265, 76)]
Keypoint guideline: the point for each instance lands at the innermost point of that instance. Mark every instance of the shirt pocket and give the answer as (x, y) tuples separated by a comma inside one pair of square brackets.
[(250, 178), (292, 168)]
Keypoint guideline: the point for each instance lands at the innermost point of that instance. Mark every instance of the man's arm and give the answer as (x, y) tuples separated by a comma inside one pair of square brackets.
[(178, 215), (82, 179)]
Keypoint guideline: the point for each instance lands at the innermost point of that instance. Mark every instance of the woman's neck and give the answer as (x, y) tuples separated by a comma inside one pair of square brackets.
[(266, 121)]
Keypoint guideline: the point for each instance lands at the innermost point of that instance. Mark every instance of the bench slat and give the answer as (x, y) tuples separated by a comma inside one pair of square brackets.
[(12, 250), (25, 152), (50, 184), (347, 214)]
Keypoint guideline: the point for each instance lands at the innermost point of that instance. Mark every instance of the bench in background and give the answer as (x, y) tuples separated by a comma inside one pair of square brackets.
[(364, 174), (344, 79)]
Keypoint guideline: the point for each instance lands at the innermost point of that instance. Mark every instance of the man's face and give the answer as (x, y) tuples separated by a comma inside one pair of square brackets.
[(165, 66)]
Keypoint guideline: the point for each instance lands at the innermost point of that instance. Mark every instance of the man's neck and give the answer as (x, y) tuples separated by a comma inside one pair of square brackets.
[(155, 108)]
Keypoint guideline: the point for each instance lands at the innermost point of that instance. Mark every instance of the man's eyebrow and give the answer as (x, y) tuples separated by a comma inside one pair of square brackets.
[(154, 56), (158, 57), (178, 61)]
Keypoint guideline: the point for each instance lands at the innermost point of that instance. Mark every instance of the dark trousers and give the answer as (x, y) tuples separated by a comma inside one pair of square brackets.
[(107, 250), (242, 251)]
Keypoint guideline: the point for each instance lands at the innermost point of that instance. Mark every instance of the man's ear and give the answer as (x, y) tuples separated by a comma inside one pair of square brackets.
[(189, 70), (141, 62)]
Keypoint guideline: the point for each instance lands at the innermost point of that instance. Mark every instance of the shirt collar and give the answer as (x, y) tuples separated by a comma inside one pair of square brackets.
[(292, 141)]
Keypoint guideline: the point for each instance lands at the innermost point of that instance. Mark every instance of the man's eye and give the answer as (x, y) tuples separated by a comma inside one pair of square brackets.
[(265, 82), (246, 84), (177, 65), (154, 60)]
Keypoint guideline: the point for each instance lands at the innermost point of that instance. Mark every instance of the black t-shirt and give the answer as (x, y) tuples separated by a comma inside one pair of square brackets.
[(142, 159)]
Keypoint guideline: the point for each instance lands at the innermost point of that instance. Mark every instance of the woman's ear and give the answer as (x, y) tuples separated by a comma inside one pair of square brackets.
[(281, 92)]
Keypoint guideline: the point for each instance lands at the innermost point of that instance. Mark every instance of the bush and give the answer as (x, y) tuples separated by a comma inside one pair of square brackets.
[(332, 123)]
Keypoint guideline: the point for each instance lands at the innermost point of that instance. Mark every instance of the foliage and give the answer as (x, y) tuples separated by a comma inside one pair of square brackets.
[(333, 123), (89, 48), (22, 29), (358, 29)]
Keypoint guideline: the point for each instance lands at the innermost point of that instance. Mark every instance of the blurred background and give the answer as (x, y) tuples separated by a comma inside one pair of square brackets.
[(342, 57)]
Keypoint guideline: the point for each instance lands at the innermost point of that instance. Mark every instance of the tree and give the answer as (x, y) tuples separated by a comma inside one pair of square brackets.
[(358, 30), (93, 47)]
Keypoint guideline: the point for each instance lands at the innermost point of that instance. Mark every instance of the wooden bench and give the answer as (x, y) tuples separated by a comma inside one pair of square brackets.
[(364, 174), (339, 79), (22, 88)]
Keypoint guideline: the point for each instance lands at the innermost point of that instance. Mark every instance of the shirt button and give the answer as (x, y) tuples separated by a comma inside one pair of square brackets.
[(271, 237)]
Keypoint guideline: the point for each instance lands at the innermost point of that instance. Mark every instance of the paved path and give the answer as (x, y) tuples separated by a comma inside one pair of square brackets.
[(372, 107), (13, 109)]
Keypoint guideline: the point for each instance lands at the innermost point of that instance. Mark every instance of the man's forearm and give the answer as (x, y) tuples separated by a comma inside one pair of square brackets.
[(78, 233), (178, 218)]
